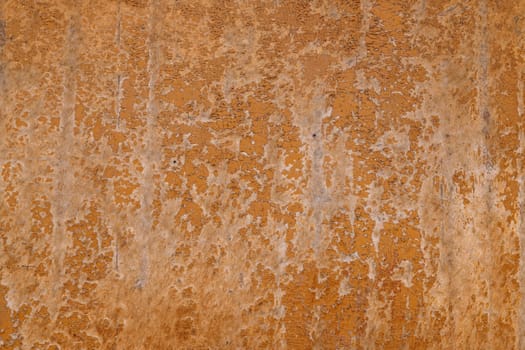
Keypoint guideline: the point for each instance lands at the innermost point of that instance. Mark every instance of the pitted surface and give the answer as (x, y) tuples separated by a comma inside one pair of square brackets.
[(262, 174)]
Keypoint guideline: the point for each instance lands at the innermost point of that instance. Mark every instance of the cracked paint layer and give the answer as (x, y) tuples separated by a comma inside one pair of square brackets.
[(262, 174)]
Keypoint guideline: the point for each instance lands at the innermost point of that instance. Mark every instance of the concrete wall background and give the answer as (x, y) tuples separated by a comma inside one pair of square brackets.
[(262, 174)]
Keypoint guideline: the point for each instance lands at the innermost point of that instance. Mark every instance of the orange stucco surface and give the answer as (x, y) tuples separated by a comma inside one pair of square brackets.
[(277, 174)]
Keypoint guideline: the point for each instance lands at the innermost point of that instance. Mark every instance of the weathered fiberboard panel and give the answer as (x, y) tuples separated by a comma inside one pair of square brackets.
[(285, 174)]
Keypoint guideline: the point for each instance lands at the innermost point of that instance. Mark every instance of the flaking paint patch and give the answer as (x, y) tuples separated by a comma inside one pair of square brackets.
[(266, 174)]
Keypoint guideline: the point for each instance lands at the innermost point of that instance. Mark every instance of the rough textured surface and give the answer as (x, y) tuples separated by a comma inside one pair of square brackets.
[(286, 174)]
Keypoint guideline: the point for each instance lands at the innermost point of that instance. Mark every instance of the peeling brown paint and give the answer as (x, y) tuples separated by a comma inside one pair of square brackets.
[(264, 174)]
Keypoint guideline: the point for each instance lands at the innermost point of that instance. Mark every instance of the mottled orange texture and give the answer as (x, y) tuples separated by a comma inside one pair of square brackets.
[(264, 174)]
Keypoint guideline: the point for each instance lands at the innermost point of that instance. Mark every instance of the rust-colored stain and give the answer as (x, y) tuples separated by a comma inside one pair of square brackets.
[(277, 174)]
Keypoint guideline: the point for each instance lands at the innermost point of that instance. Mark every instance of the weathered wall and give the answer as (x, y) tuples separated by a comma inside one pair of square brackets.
[(286, 174)]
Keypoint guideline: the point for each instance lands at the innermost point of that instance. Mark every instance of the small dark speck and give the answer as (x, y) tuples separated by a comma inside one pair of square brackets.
[(314, 135), (486, 116), (174, 162)]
